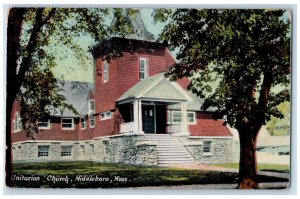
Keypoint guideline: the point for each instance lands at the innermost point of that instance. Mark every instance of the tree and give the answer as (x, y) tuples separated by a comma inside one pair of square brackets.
[(30, 33), (247, 52)]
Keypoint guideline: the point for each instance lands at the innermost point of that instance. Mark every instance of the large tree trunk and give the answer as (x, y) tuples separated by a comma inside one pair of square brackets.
[(14, 26), (248, 162)]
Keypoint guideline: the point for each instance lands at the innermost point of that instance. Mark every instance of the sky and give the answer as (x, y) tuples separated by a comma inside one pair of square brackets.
[(70, 68)]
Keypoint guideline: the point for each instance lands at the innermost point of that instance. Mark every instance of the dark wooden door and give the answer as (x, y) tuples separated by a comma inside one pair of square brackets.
[(148, 118)]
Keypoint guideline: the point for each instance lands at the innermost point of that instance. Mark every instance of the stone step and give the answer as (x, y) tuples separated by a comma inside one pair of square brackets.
[(174, 159), (175, 162)]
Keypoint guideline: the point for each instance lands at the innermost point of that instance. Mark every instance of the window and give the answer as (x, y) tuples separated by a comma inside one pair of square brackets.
[(106, 115), (176, 117), (17, 123), (83, 123), (43, 151), (67, 123), (144, 66), (191, 117), (66, 150), (207, 146), (44, 123), (92, 121), (92, 106), (105, 71)]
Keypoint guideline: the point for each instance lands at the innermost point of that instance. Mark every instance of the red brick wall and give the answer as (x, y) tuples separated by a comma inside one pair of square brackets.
[(206, 126)]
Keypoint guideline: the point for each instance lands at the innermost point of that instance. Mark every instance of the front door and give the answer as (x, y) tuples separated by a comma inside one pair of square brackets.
[(148, 118)]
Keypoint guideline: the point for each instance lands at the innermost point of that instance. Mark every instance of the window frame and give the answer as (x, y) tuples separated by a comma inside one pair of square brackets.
[(105, 116), (67, 128), (194, 117), (66, 153), (17, 123), (146, 68), (92, 109), (81, 123), (44, 127), (105, 71), (43, 153), (176, 112), (205, 151), (94, 119)]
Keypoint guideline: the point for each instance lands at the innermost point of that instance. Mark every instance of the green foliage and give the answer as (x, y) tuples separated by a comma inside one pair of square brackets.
[(278, 126), (42, 28), (246, 51)]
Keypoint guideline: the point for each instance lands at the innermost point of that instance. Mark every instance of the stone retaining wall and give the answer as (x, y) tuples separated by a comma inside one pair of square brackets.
[(221, 149), (128, 149)]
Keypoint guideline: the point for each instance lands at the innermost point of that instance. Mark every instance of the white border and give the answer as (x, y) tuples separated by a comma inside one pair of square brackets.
[(32, 193)]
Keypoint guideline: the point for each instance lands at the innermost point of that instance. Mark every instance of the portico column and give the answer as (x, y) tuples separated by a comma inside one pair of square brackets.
[(184, 128), (140, 124), (136, 115)]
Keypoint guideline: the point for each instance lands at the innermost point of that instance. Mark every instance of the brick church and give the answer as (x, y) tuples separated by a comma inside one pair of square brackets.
[(131, 114)]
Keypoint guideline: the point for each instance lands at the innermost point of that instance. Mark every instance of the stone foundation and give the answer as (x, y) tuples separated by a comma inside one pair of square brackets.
[(128, 149), (221, 149)]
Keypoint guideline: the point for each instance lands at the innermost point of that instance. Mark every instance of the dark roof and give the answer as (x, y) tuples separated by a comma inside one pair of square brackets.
[(211, 127), (76, 94)]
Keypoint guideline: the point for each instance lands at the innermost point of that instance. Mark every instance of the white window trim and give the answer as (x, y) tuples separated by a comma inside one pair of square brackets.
[(172, 117), (90, 119), (17, 121), (82, 128), (146, 69), (106, 117), (105, 71), (90, 108), (67, 128), (47, 127), (194, 116)]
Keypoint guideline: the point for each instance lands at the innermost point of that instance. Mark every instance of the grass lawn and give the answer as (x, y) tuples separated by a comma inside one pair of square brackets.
[(83, 175), (261, 167)]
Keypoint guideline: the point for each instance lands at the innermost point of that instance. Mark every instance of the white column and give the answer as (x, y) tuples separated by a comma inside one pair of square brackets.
[(140, 121), (136, 115), (184, 126)]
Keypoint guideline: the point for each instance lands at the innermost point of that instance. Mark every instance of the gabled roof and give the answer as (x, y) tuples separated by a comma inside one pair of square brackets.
[(76, 94), (156, 88)]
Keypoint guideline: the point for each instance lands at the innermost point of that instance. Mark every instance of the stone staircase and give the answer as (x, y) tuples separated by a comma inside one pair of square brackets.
[(169, 149)]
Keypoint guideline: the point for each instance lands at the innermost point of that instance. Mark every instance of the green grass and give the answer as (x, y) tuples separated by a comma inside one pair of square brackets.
[(261, 167), (131, 176)]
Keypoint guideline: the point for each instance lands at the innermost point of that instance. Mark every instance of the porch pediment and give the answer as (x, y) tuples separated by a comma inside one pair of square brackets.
[(155, 88)]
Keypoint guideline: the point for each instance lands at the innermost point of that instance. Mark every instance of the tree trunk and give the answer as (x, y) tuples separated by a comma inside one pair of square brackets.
[(14, 26), (248, 162)]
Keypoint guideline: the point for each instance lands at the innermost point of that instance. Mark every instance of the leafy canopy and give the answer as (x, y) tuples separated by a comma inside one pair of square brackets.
[(245, 52)]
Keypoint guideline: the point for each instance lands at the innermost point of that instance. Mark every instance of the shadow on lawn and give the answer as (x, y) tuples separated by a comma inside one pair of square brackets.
[(104, 175)]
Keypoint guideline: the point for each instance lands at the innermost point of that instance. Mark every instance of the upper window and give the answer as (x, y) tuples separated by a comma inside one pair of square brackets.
[(44, 123), (106, 115), (17, 123), (92, 106), (191, 117), (144, 67), (67, 123), (105, 71)]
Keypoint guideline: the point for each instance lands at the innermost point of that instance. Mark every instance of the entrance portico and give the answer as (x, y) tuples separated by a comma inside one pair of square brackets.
[(144, 106)]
